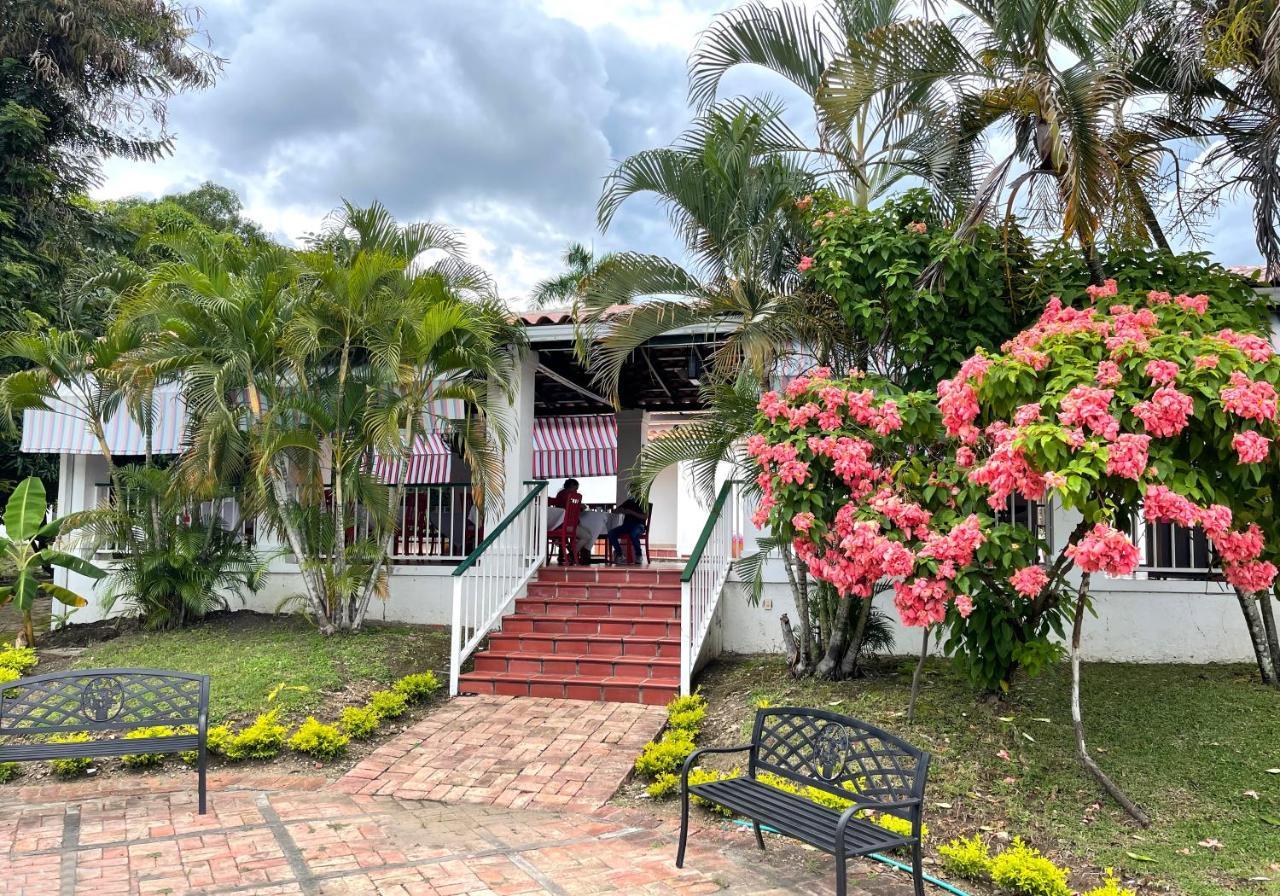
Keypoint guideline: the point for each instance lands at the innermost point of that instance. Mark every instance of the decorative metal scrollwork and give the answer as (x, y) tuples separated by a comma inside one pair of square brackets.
[(831, 751), (102, 699)]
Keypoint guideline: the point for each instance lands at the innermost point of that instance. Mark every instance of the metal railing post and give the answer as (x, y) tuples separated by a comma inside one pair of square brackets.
[(455, 639)]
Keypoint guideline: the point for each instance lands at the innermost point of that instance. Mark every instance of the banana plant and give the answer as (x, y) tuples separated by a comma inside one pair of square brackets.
[(23, 558)]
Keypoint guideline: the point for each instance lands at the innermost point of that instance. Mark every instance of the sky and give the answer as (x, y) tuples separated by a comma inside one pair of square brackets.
[(500, 118)]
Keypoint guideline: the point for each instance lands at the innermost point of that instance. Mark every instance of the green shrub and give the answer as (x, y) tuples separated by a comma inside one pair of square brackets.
[(388, 704), (1110, 887), (813, 794), (264, 739), (9, 771), (966, 857), (218, 739), (7, 675), (20, 659), (149, 760), (899, 826), (70, 768), (687, 713), (1022, 870), (358, 722), (417, 688), (669, 785), (319, 740), (667, 754)]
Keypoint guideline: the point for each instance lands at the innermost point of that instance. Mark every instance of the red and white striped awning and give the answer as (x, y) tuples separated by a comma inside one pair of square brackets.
[(431, 463), (61, 429), (575, 446)]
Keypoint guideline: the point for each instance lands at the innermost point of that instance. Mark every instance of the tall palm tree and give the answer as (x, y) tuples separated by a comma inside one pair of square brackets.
[(1063, 79), (580, 262)]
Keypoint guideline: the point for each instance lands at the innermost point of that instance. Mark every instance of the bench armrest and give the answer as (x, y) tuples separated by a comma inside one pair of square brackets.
[(859, 807), (693, 759), (876, 804)]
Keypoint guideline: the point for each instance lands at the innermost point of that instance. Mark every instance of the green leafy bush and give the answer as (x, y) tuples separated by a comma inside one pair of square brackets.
[(899, 826), (319, 740), (418, 687), (7, 675), (388, 704), (966, 857), (665, 755), (9, 771), (669, 785), (70, 768), (813, 794), (264, 739), (1110, 887), (687, 713), (150, 760), (1022, 870), (358, 722), (218, 739), (20, 659)]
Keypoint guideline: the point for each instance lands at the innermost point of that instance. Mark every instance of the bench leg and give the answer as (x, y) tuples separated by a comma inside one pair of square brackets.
[(917, 868), (684, 827), (759, 836), (842, 884), (203, 761)]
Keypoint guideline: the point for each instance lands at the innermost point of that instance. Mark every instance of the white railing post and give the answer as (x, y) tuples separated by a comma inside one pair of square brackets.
[(455, 639), (686, 639), (704, 578)]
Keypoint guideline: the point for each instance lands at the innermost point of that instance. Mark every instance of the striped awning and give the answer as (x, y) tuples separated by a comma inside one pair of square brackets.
[(431, 463), (575, 446), (61, 429)]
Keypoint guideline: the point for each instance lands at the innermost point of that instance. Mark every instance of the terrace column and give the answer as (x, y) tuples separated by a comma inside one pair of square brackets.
[(630, 440), (517, 417)]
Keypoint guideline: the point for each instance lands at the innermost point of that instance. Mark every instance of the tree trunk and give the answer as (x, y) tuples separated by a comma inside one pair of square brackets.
[(1257, 637), (1273, 639), (1077, 720), (849, 664), (795, 660), (917, 677), (829, 665)]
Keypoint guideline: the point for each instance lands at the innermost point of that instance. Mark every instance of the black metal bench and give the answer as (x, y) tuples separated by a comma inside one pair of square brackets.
[(815, 748), (104, 702)]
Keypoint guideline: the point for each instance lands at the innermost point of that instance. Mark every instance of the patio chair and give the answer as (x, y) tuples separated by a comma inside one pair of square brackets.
[(566, 534)]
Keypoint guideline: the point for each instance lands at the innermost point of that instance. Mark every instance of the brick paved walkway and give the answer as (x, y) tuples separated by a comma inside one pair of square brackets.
[(512, 751)]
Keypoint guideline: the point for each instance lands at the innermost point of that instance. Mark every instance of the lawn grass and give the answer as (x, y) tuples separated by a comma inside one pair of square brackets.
[(1190, 743), (248, 656)]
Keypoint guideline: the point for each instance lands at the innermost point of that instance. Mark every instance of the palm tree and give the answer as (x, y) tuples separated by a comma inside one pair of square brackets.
[(580, 263), (1063, 79), (897, 133)]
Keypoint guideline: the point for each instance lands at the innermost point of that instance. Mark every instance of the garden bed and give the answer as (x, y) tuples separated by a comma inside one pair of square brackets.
[(256, 663), (1193, 744)]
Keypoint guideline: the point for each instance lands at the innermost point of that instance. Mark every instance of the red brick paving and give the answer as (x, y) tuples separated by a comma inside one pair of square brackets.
[(140, 836)]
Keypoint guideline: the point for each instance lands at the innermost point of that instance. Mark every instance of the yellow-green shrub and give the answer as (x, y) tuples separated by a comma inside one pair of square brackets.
[(1022, 870), (814, 794), (966, 857), (69, 768), (1110, 887), (358, 722), (417, 687), (318, 739), (218, 738), (264, 739), (388, 704), (7, 675), (9, 771), (665, 755), (148, 760), (899, 826), (687, 713), (20, 659)]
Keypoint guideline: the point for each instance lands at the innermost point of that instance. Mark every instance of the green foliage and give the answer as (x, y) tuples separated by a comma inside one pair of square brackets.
[(358, 722), (150, 760), (317, 739), (388, 704), (665, 755), (1111, 886), (417, 687), (218, 739), (813, 794), (1023, 871), (967, 858), (9, 771), (869, 261), (687, 713), (264, 739), (900, 826), (70, 768), (19, 659)]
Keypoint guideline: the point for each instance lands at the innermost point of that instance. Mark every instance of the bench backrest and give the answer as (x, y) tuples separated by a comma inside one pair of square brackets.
[(93, 700), (836, 753)]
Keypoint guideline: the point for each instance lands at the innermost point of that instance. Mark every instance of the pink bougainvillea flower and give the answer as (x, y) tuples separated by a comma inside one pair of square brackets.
[(918, 227), (1089, 407), (803, 521), (1250, 399), (1162, 504), (1251, 577), (1197, 303), (964, 605), (1028, 413), (1166, 413), (1108, 288), (1108, 374), (1162, 372), (1254, 347), (1252, 447), (1105, 549), (1215, 520), (1155, 297), (1206, 362), (1029, 581), (805, 263), (1127, 456), (804, 202)]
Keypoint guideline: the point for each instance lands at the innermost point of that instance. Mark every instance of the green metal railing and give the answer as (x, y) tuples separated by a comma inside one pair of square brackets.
[(704, 576)]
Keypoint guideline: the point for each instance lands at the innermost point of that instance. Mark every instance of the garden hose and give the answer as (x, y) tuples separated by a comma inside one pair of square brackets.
[(885, 860)]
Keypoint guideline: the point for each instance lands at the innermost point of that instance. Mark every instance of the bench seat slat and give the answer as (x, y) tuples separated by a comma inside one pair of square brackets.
[(797, 817), (178, 743)]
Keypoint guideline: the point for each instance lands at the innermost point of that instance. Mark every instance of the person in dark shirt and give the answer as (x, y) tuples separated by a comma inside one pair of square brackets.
[(634, 520)]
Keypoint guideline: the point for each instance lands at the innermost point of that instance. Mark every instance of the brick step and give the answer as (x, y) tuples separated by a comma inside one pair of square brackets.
[(577, 666), (606, 590), (614, 626), (614, 574), (573, 687), (657, 608), (578, 645)]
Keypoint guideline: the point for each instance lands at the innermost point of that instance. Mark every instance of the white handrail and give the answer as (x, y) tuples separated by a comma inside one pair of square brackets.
[(705, 575), (493, 576)]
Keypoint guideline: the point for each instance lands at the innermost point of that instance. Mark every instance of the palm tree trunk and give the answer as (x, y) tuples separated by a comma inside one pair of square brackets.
[(397, 499), (918, 676), (1258, 638)]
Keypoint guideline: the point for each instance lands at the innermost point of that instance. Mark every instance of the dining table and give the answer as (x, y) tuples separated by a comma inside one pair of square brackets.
[(592, 524)]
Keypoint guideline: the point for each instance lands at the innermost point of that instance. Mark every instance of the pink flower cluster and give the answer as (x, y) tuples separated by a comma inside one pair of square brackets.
[(1029, 581), (1250, 399), (1107, 289), (1252, 447), (1166, 413), (1240, 550), (1255, 348), (1006, 470), (1105, 549), (1127, 456), (1162, 372), (1089, 407), (922, 601)]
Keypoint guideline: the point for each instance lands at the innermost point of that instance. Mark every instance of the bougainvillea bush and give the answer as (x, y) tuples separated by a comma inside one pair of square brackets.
[(1134, 403)]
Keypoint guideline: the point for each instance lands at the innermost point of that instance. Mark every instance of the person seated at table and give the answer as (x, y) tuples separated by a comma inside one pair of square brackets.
[(634, 520), (562, 497)]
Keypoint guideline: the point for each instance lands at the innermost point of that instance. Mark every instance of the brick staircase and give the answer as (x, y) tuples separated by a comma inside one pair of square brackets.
[(587, 633)]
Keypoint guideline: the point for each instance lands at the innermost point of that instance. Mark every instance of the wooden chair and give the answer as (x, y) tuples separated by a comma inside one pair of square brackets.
[(566, 534)]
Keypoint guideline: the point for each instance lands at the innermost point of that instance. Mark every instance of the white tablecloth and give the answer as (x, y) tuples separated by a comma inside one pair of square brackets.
[(591, 524)]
